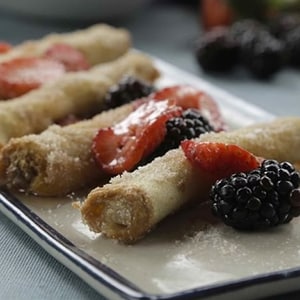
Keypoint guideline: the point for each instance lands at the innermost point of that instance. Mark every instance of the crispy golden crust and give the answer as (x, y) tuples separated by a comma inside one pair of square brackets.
[(57, 161), (169, 182), (159, 189), (75, 93), (279, 139), (99, 43), (126, 219)]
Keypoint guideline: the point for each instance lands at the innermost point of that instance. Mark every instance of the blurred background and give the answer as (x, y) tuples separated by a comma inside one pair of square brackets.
[(258, 68)]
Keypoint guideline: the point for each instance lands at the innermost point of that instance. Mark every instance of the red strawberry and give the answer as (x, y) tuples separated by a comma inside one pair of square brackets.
[(189, 97), (215, 13), (71, 58), (20, 75), (124, 145), (219, 160), (4, 47)]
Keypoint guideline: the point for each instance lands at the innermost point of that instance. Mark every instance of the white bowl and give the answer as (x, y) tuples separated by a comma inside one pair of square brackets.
[(83, 10)]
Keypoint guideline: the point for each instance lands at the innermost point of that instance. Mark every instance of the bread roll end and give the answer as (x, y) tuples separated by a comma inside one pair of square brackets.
[(122, 213)]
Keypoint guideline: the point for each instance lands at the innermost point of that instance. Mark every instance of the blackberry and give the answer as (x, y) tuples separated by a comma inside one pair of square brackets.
[(259, 51), (216, 51), (265, 197), (189, 125), (262, 54), (127, 90)]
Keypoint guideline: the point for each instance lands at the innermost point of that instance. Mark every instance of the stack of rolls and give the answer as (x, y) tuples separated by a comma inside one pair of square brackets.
[(44, 159), (77, 93), (131, 205)]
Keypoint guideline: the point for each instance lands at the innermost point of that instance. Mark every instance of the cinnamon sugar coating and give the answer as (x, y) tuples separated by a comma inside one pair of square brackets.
[(170, 182), (59, 160), (99, 43), (77, 93)]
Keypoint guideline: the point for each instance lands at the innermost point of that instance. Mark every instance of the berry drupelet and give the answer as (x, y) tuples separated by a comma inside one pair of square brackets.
[(127, 90), (265, 197), (216, 51)]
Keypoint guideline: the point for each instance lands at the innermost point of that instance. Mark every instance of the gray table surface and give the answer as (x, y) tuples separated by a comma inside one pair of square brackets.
[(166, 29)]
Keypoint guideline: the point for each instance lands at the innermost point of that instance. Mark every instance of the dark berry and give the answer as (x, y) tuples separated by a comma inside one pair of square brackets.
[(263, 201), (127, 90), (216, 51), (189, 125), (262, 54), (259, 51)]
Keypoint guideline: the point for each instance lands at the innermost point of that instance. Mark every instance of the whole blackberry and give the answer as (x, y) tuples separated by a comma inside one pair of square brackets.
[(265, 197), (127, 90), (262, 54), (216, 51), (189, 125)]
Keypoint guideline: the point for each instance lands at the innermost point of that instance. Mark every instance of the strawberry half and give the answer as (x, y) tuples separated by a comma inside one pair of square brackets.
[(20, 75), (189, 97), (219, 160), (121, 147), (71, 58)]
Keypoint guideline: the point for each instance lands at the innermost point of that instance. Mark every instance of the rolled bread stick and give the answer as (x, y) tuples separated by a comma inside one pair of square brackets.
[(99, 43), (132, 204), (59, 160), (75, 93)]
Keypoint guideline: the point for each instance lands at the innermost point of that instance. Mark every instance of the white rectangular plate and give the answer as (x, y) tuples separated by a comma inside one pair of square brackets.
[(186, 256)]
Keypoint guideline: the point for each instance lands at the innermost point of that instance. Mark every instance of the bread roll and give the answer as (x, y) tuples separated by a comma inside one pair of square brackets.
[(57, 161), (77, 93), (132, 204), (99, 43)]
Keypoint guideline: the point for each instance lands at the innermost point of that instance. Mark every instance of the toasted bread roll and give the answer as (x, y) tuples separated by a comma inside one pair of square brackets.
[(99, 43), (75, 93), (59, 160), (132, 204), (279, 139)]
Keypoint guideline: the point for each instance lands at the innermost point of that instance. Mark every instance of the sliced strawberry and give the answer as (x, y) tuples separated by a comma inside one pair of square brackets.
[(187, 96), (219, 160), (20, 75), (71, 58), (216, 13), (5, 47), (124, 145)]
